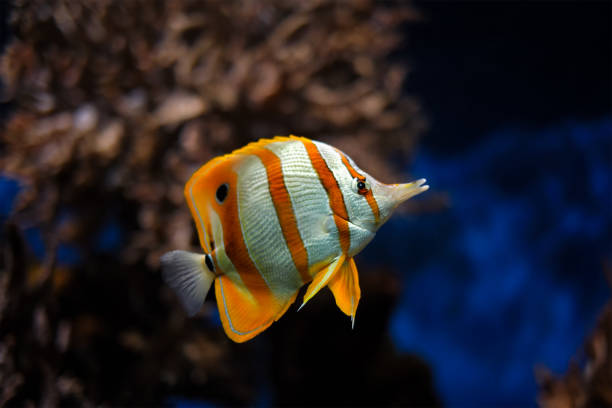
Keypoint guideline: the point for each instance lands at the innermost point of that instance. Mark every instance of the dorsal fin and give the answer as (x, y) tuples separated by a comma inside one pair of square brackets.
[(248, 149)]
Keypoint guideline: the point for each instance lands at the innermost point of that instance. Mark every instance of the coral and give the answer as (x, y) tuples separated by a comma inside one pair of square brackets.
[(114, 105), (588, 381)]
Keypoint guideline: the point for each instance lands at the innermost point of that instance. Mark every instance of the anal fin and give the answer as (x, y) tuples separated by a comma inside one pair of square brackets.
[(246, 313), (345, 287), (322, 278)]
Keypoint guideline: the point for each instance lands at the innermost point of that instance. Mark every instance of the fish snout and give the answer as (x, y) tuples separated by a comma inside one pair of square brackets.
[(389, 196), (403, 192)]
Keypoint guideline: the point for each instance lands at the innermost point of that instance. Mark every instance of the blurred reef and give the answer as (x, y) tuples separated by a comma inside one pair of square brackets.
[(112, 106), (117, 103)]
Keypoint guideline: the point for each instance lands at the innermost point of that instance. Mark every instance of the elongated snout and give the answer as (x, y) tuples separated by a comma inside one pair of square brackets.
[(389, 196), (402, 192)]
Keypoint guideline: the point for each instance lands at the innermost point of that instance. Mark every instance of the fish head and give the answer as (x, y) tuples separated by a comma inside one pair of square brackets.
[(374, 202), (370, 203)]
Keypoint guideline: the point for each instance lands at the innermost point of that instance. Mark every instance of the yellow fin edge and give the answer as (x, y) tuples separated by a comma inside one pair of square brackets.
[(323, 278), (345, 288), (241, 321)]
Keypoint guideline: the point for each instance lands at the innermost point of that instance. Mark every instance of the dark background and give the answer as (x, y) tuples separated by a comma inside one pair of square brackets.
[(482, 66), (512, 275)]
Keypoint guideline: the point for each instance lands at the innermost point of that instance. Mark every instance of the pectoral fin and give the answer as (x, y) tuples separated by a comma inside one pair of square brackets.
[(345, 287), (323, 278)]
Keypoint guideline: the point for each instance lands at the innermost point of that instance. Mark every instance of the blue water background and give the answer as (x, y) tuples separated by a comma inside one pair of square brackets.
[(511, 275)]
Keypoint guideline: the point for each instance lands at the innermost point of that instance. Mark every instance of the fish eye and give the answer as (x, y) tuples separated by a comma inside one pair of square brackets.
[(221, 193), (360, 185), (209, 262)]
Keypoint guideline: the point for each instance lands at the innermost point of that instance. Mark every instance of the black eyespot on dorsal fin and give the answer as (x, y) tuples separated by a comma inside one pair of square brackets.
[(221, 193)]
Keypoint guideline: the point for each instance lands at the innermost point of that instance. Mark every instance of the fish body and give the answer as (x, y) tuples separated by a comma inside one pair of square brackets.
[(272, 217)]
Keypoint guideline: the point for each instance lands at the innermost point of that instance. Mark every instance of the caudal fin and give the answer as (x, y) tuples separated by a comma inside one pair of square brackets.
[(185, 273)]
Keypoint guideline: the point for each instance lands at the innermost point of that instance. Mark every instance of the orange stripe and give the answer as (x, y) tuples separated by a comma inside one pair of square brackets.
[(349, 167), (368, 195), (336, 199), (373, 205), (284, 210)]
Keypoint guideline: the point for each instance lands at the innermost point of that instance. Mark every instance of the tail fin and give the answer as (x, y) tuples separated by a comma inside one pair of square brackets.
[(185, 273)]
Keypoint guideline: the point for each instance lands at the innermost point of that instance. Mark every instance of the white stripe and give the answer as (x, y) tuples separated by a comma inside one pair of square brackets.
[(261, 229), (309, 201)]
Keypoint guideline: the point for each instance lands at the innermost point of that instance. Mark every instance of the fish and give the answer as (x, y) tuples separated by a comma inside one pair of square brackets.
[(272, 217)]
